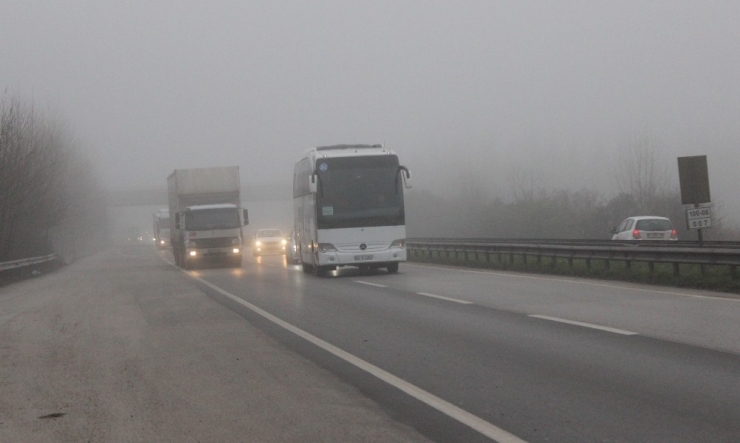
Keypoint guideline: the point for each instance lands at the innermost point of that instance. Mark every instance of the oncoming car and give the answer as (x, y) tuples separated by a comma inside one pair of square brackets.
[(646, 227), (269, 241)]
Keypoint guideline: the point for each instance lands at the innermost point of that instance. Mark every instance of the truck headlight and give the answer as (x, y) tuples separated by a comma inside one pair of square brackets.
[(193, 253), (235, 250)]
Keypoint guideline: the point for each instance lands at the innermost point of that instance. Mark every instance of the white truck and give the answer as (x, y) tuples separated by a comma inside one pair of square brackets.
[(161, 229), (206, 216)]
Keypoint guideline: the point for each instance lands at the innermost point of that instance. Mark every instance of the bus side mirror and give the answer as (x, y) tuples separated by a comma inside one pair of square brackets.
[(245, 215), (312, 184), (405, 176)]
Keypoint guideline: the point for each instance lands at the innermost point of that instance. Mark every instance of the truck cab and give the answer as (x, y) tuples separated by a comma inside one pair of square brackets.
[(211, 233)]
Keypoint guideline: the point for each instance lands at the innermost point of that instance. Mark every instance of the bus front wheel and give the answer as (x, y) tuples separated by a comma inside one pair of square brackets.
[(392, 268)]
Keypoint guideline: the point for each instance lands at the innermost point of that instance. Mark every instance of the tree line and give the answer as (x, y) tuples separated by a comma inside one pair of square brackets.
[(529, 209), (50, 199)]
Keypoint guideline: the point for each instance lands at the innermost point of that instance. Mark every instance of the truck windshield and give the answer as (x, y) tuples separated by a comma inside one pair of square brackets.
[(359, 191), (216, 218)]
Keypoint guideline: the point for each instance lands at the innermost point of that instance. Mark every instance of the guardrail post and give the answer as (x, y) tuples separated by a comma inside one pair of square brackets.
[(651, 267), (676, 270), (607, 264), (628, 264), (488, 257), (702, 268), (570, 262), (588, 264)]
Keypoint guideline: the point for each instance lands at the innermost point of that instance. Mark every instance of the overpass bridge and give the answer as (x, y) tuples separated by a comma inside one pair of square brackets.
[(157, 196)]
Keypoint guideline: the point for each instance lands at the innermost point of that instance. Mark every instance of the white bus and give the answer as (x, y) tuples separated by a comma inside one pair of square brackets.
[(348, 208)]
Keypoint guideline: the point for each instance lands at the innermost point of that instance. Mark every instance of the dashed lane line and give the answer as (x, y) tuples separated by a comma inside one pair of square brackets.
[(377, 285), (454, 300), (585, 325)]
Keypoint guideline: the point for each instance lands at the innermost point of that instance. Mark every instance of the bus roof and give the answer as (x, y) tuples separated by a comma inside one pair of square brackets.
[(348, 151)]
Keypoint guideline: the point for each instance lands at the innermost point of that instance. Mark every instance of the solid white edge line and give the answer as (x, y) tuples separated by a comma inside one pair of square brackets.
[(586, 325), (464, 417), (370, 284), (454, 300)]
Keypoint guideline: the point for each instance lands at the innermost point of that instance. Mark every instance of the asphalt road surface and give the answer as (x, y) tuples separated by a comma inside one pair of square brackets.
[(130, 348)]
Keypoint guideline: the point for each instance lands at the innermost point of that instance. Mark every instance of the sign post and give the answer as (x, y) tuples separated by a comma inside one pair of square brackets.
[(694, 177)]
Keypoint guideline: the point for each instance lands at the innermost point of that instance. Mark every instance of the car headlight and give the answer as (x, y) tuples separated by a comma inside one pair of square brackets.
[(326, 247), (284, 242), (401, 243), (258, 243)]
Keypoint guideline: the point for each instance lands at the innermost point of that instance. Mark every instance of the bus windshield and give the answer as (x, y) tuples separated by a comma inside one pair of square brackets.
[(359, 191), (216, 218)]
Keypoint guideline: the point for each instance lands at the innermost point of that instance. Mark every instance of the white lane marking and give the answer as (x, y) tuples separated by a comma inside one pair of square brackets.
[(472, 421), (574, 280), (454, 300), (370, 284), (586, 325)]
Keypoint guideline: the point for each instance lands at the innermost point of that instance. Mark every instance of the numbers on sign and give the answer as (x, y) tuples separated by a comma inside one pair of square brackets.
[(699, 223)]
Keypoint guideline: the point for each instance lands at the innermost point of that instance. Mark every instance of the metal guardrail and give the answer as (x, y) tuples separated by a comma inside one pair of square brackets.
[(16, 264), (676, 253)]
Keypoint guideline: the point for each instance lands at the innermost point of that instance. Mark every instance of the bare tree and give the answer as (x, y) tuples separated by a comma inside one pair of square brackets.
[(642, 173)]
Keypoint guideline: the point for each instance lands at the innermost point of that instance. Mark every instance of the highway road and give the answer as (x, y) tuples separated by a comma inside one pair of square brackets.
[(433, 352)]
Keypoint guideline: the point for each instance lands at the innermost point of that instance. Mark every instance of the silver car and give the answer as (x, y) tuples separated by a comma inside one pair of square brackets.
[(645, 227)]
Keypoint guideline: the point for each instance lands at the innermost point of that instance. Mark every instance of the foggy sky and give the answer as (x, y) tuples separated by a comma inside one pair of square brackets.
[(474, 87)]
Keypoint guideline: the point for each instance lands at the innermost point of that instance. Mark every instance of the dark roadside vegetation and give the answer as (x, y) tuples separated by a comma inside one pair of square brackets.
[(50, 199)]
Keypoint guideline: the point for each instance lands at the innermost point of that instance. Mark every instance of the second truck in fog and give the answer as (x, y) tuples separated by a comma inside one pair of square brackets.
[(206, 217)]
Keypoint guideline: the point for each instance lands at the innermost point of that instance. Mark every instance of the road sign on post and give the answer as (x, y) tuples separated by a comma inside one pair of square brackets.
[(698, 218), (693, 175)]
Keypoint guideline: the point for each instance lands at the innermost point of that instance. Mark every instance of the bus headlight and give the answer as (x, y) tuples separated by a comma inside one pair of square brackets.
[(235, 250), (326, 247), (399, 243)]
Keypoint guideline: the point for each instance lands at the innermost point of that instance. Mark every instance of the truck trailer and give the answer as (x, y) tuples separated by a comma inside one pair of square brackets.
[(206, 217)]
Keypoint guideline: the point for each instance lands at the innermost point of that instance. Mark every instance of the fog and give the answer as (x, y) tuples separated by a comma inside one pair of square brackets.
[(461, 90)]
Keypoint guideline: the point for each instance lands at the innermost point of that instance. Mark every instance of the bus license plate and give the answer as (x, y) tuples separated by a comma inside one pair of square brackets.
[(363, 257)]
